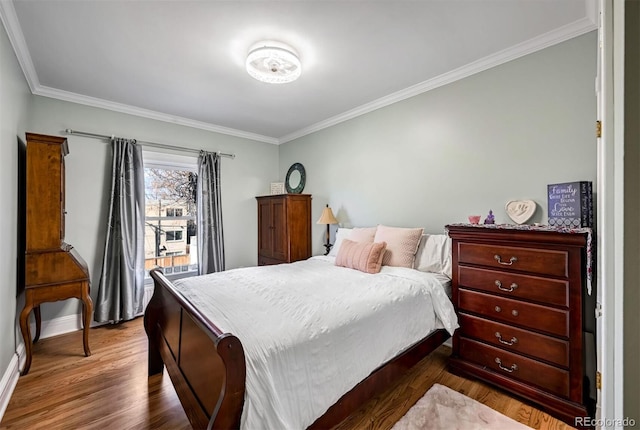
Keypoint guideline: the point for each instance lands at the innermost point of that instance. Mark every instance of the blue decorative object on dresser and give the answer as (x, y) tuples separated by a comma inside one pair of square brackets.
[(490, 219)]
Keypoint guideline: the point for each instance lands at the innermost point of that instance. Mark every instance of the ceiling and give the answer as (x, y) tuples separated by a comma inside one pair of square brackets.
[(182, 61)]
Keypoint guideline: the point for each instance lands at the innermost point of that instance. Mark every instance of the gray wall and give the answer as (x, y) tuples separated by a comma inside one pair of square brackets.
[(461, 149), (14, 104), (88, 179), (631, 210)]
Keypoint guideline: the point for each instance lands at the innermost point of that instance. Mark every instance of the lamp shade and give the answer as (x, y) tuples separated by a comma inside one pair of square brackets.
[(327, 217)]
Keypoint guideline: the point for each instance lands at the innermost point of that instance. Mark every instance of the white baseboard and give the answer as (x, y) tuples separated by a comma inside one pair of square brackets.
[(71, 323), (61, 325), (9, 381)]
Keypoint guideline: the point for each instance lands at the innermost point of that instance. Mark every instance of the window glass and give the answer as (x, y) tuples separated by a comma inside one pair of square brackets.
[(174, 235), (170, 218), (174, 212)]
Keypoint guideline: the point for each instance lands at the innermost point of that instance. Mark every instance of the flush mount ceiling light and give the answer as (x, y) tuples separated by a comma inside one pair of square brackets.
[(273, 62)]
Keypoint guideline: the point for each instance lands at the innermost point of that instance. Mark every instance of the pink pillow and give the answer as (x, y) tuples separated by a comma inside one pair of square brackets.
[(365, 257), (363, 234), (402, 245)]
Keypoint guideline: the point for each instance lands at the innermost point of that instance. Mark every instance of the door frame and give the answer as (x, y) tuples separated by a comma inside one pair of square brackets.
[(610, 208)]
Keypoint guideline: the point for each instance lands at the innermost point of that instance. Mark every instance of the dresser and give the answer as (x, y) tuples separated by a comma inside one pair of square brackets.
[(520, 296), (53, 269), (284, 228)]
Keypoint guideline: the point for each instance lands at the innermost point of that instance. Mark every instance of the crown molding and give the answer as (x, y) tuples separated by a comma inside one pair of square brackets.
[(546, 40), (10, 21), (146, 113)]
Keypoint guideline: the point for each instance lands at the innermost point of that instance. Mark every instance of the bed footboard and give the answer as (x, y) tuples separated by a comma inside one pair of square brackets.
[(206, 366)]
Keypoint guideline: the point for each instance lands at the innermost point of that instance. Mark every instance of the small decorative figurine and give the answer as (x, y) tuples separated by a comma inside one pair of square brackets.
[(490, 219)]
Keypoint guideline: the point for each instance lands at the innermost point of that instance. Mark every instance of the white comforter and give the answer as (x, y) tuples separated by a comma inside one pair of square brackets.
[(311, 330)]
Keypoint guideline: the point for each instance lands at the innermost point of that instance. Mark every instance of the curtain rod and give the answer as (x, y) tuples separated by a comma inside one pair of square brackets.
[(142, 142)]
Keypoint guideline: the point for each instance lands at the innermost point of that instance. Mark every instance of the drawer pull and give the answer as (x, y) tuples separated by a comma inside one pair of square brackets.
[(513, 340), (513, 367), (504, 263), (514, 313), (508, 290), (498, 309)]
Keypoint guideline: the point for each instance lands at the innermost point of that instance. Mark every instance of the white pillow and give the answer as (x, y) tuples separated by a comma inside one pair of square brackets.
[(342, 233), (434, 254)]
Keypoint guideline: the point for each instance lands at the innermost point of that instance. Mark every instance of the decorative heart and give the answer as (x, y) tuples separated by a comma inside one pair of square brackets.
[(520, 210)]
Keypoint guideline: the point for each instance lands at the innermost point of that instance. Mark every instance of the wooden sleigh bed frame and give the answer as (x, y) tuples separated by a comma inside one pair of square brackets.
[(207, 366)]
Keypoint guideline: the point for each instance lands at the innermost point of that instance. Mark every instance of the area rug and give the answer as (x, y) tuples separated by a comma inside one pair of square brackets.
[(442, 408)]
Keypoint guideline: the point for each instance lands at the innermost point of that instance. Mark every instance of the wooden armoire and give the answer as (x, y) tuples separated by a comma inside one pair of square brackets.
[(284, 228), (53, 269)]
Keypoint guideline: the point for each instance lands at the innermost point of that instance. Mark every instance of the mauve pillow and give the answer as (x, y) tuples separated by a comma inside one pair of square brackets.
[(366, 234), (365, 257), (402, 244)]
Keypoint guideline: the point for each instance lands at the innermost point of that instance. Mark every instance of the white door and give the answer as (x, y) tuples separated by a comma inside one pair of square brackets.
[(609, 324)]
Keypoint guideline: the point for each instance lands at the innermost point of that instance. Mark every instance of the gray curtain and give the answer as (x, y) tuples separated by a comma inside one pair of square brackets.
[(121, 290), (209, 215)]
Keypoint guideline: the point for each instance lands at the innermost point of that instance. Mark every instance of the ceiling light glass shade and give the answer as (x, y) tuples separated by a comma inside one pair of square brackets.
[(273, 64)]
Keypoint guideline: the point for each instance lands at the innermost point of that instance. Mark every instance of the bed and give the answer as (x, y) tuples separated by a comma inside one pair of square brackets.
[(281, 347)]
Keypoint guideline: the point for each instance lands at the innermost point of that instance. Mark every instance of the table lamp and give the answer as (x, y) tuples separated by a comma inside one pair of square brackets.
[(328, 219)]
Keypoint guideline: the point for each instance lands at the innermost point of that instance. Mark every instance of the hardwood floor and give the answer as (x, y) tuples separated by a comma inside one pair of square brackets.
[(110, 389)]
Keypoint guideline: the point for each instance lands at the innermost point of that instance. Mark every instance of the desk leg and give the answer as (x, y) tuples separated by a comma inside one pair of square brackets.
[(87, 311), (26, 334), (36, 312)]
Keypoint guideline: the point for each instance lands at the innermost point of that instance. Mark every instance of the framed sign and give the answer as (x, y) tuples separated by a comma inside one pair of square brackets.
[(277, 188)]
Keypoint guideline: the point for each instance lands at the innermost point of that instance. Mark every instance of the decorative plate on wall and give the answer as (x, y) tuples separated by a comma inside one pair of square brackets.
[(296, 177)]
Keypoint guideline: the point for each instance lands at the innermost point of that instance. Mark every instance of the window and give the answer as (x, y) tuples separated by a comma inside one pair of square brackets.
[(173, 236), (174, 212), (170, 214)]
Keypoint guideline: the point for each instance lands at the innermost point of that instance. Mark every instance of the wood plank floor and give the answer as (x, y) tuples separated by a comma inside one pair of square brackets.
[(110, 389)]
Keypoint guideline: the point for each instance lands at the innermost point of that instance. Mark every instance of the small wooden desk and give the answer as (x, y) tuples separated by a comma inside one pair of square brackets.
[(67, 277)]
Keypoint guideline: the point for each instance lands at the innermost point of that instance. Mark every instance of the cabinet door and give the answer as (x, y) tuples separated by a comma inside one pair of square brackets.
[(280, 246), (44, 179), (265, 232)]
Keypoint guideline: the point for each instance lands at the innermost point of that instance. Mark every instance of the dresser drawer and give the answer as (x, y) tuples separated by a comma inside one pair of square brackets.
[(543, 290), (547, 348), (528, 315), (543, 261), (532, 372)]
